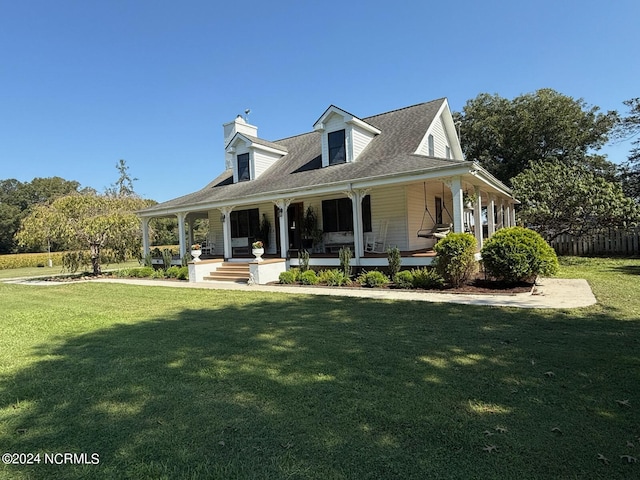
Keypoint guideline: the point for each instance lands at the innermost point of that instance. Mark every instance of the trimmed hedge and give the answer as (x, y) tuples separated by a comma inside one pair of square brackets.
[(518, 254), (455, 260), (24, 260)]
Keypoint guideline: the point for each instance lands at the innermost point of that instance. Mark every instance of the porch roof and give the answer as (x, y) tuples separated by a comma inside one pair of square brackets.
[(389, 154)]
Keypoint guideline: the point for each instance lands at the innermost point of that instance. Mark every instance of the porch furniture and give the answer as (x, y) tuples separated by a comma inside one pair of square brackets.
[(335, 247), (375, 242), (439, 230), (209, 245)]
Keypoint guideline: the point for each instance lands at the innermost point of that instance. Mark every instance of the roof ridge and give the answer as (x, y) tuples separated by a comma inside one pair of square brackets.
[(365, 118), (406, 108)]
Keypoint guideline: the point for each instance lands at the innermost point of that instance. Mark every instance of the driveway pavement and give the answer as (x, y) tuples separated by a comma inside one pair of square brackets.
[(548, 293)]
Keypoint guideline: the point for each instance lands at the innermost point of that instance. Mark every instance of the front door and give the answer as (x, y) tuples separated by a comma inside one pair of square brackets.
[(295, 214)]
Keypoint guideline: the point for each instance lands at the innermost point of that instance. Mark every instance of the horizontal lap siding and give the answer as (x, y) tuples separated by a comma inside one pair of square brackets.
[(440, 142), (262, 161), (361, 139), (389, 204), (418, 218)]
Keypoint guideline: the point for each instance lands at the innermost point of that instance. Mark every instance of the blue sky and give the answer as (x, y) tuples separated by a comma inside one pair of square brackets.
[(84, 83)]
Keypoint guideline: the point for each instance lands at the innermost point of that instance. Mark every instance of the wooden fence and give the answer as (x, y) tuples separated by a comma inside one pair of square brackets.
[(614, 242)]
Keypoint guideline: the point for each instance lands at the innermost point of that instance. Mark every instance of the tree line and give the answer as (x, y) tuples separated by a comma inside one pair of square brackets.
[(545, 146)]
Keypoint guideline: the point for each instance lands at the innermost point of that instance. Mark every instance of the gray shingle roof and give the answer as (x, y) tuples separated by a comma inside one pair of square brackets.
[(389, 153)]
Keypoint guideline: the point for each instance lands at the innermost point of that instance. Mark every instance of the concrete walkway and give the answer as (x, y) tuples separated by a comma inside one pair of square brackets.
[(548, 293)]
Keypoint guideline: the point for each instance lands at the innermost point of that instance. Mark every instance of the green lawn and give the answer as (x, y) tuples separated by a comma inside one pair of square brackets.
[(171, 383)]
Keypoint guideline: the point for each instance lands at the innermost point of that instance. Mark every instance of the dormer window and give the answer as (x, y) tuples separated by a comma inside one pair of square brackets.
[(344, 136), (243, 167), (337, 150)]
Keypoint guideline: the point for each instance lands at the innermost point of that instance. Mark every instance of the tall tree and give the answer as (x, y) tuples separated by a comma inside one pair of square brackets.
[(86, 221), (557, 198), (124, 185), (629, 128), (17, 198), (507, 136)]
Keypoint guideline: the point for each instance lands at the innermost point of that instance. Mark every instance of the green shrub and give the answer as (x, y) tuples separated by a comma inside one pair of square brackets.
[(427, 278), (517, 254), (167, 256), (395, 260), (455, 260), (159, 273), (403, 279), (172, 272), (296, 273), (308, 278), (287, 277), (334, 277), (345, 255), (142, 272), (303, 260), (183, 273), (373, 279)]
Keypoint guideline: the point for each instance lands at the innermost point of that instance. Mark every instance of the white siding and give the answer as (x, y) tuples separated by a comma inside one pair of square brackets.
[(215, 231), (388, 204), (361, 139), (262, 161), (439, 137), (418, 218)]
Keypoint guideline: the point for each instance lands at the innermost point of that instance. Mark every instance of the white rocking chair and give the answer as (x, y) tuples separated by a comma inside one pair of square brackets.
[(209, 245), (375, 242)]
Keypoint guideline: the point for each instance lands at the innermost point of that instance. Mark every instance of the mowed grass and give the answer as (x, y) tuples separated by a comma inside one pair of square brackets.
[(182, 383)]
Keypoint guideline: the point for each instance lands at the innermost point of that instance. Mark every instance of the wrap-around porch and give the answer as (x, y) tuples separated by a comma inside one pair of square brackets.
[(367, 220)]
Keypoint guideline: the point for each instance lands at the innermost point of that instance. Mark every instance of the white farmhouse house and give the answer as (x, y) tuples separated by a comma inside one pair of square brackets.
[(393, 179)]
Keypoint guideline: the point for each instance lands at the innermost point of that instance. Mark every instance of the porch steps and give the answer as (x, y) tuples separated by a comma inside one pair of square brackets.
[(230, 272)]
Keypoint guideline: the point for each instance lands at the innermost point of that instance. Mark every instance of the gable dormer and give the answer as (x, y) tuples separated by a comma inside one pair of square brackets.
[(344, 136), (441, 138), (250, 156)]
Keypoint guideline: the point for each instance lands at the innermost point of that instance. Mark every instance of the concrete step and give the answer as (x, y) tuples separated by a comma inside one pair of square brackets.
[(230, 272)]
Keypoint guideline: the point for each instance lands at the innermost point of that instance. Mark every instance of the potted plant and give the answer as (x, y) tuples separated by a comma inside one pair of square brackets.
[(257, 248), (311, 234), (196, 251)]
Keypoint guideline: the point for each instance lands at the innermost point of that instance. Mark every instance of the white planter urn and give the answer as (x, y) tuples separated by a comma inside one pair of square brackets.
[(258, 252), (196, 255)]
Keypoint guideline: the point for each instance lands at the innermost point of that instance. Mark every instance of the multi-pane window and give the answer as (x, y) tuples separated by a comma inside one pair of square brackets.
[(337, 150), (337, 215), (243, 167), (432, 149), (245, 223)]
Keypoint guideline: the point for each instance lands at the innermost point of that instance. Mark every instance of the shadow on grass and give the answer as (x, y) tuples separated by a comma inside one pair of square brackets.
[(333, 388)]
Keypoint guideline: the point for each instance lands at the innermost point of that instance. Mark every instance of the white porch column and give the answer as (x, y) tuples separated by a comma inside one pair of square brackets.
[(501, 214), (283, 206), (455, 185), (191, 238), (225, 218), (491, 217), (513, 215), (477, 216), (181, 236), (507, 215), (145, 236), (356, 206)]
